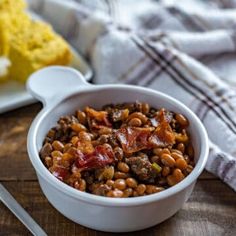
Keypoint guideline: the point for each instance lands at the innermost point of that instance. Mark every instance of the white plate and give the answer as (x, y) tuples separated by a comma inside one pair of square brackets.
[(14, 95)]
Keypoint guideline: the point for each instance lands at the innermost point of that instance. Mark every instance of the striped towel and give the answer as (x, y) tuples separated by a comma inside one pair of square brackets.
[(183, 48)]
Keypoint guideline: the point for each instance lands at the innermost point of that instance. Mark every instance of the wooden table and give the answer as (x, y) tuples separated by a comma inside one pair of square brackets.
[(210, 211)]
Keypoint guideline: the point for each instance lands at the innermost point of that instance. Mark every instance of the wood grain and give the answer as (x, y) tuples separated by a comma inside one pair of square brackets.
[(13, 134), (211, 210)]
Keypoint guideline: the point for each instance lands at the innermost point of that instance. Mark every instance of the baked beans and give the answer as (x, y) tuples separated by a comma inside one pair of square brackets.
[(121, 150)]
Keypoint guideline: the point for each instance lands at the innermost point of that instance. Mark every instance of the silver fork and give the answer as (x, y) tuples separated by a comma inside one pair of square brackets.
[(20, 213)]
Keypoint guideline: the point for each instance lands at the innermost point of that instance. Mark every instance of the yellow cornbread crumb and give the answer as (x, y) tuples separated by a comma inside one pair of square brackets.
[(28, 44)]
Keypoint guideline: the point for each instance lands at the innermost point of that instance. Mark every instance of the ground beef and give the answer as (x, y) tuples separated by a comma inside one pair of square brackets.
[(142, 168)]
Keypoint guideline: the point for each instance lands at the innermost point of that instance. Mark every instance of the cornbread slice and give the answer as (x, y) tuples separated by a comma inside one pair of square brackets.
[(12, 17), (28, 44), (36, 48), (12, 6)]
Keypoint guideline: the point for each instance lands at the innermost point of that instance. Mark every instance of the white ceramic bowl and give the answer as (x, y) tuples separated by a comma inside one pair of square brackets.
[(62, 91)]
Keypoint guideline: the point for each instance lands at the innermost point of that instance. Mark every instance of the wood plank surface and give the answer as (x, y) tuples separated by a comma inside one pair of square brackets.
[(211, 210)]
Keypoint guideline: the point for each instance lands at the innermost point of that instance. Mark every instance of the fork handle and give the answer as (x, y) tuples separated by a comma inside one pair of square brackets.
[(20, 213)]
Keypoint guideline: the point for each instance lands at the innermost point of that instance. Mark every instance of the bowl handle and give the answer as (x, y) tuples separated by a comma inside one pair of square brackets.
[(54, 82)]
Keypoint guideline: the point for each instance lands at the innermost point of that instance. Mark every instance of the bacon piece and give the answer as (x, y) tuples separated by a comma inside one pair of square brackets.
[(102, 156), (163, 134), (59, 172), (98, 118), (133, 139), (161, 116)]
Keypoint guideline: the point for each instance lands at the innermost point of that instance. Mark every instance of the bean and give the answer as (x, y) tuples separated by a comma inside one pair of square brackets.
[(80, 185), (105, 130), (116, 193), (153, 189), (181, 164), (110, 182), (120, 184), (72, 151), (51, 133), (136, 122), (165, 150), (46, 150), (150, 189), (181, 137), (138, 115), (119, 154), (171, 180), (176, 155), (186, 158), (165, 171), (57, 145), (66, 147), (48, 161), (120, 175), (55, 154), (181, 147), (77, 127), (145, 108), (157, 151), (182, 120), (189, 169), (176, 151), (103, 139), (84, 136), (167, 160), (67, 156), (128, 192), (123, 167), (65, 162), (178, 175), (141, 188), (76, 172), (190, 151), (74, 140), (131, 182), (81, 116)]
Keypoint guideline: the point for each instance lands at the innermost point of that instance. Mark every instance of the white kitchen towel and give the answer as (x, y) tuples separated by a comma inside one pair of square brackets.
[(184, 48)]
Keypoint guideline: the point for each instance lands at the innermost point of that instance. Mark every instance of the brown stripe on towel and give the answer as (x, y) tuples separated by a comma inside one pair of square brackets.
[(187, 21), (196, 90), (233, 37), (228, 168), (143, 74)]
